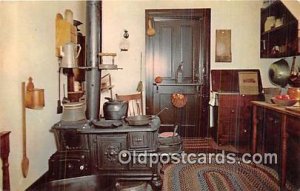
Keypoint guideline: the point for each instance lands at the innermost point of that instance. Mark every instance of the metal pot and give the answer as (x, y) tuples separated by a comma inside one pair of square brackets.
[(115, 110), (279, 73), (170, 141)]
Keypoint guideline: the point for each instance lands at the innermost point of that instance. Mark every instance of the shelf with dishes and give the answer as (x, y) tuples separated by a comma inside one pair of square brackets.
[(280, 34)]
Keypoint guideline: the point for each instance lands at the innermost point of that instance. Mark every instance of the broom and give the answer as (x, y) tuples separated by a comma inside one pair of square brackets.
[(140, 84)]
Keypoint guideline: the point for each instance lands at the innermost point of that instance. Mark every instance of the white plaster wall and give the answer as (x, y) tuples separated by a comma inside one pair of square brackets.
[(27, 41), (242, 17)]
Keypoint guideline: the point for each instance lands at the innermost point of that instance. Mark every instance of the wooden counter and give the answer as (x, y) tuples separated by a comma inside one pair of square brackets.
[(285, 126)]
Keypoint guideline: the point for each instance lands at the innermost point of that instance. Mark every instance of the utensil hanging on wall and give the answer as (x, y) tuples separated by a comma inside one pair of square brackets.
[(25, 160), (32, 98), (294, 79), (150, 29), (59, 108)]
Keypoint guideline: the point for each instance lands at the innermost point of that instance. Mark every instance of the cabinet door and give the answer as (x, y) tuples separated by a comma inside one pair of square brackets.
[(293, 150), (107, 151), (229, 118), (234, 118), (268, 133)]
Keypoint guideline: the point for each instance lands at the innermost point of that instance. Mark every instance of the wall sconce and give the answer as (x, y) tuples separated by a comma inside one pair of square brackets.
[(124, 44), (32, 98)]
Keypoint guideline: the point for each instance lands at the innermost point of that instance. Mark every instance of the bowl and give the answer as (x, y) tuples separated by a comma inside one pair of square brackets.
[(284, 102)]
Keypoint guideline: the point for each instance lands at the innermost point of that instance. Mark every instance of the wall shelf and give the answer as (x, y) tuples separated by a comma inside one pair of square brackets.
[(280, 41)]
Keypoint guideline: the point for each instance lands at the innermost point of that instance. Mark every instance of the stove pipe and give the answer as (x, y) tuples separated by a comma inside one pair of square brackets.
[(93, 47)]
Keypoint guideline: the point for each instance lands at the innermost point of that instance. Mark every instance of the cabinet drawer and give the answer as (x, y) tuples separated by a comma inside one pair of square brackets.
[(228, 113), (293, 126), (138, 140), (230, 100)]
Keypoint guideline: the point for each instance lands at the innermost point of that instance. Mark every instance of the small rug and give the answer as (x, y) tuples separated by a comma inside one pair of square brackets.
[(196, 145), (213, 177)]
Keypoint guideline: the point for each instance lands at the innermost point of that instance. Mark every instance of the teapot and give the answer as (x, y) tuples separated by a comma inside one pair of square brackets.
[(69, 53), (114, 109)]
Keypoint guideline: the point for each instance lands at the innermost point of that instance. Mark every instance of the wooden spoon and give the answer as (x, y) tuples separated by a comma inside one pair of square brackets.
[(25, 160)]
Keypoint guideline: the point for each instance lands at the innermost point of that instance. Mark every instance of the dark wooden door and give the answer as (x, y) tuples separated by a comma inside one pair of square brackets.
[(182, 37)]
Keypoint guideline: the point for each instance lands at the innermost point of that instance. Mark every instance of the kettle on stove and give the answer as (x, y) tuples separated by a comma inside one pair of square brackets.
[(114, 109)]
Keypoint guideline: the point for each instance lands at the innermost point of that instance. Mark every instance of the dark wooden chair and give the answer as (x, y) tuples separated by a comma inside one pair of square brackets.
[(135, 103)]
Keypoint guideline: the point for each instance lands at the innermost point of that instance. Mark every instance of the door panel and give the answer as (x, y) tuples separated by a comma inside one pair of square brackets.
[(186, 49), (188, 117), (163, 59), (182, 36)]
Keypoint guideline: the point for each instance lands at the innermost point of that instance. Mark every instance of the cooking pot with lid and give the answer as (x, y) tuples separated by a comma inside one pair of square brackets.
[(114, 109)]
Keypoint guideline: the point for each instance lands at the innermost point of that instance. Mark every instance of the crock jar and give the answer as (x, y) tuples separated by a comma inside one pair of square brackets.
[(73, 111)]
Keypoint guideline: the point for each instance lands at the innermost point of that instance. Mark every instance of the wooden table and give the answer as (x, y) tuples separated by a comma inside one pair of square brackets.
[(4, 152), (284, 115)]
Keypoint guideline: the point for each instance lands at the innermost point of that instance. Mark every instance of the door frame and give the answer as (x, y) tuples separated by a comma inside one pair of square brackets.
[(173, 14)]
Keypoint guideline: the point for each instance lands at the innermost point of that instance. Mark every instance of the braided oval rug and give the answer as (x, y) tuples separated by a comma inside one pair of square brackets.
[(213, 177)]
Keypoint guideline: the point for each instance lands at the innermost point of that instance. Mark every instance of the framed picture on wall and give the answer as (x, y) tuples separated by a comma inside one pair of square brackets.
[(223, 46), (248, 83)]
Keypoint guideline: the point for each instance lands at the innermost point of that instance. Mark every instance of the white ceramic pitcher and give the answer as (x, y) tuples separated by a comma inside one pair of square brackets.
[(69, 53)]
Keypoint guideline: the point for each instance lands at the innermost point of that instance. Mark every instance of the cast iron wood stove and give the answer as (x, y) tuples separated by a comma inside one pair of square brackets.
[(72, 158), (86, 149)]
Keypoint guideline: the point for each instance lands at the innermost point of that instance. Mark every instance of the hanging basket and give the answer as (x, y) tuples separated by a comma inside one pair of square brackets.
[(178, 100)]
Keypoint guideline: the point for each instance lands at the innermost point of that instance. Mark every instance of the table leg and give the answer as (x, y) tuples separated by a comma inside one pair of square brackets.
[(283, 152), (5, 165), (4, 153), (254, 129)]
